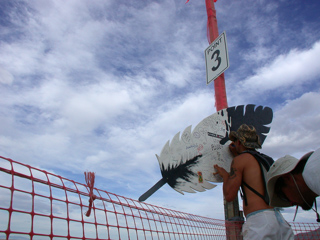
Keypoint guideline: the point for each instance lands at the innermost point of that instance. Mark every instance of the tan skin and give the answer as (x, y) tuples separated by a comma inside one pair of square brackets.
[(244, 167), (290, 190)]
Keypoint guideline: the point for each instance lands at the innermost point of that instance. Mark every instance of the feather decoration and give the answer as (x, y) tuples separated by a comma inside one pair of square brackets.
[(186, 163)]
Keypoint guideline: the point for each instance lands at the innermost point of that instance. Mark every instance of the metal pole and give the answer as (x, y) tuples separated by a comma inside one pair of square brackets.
[(231, 209)]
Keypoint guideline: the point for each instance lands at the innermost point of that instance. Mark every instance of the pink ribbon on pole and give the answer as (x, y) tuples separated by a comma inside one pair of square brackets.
[(89, 176), (213, 0)]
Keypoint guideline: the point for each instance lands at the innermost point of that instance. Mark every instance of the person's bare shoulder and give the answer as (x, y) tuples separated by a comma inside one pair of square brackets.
[(245, 161), (243, 158)]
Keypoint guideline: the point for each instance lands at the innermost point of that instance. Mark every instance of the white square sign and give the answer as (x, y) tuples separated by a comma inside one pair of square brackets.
[(216, 55)]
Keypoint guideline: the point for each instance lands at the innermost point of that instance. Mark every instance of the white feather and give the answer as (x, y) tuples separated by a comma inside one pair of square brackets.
[(203, 140)]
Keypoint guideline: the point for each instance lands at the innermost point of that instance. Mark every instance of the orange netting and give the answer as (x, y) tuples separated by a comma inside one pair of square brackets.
[(36, 204)]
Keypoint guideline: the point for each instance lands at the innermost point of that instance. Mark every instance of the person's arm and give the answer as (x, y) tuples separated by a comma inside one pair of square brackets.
[(231, 181)]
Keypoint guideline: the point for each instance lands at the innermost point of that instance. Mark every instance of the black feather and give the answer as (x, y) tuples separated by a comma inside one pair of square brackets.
[(182, 170), (258, 117)]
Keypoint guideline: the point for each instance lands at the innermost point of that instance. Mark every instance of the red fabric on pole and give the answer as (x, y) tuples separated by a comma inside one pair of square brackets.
[(214, 1), (89, 177), (212, 34), (220, 93)]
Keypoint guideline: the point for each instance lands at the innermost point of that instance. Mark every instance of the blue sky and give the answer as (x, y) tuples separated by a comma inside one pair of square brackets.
[(102, 85)]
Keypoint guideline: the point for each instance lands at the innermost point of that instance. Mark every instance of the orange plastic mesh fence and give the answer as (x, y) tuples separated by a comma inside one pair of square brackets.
[(36, 204)]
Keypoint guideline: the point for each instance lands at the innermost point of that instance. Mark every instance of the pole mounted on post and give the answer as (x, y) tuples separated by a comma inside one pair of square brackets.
[(231, 208)]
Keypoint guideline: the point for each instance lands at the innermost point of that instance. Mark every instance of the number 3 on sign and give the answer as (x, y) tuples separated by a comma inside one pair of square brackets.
[(216, 56)]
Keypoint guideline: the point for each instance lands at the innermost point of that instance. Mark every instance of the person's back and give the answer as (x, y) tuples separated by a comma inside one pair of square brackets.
[(253, 177)]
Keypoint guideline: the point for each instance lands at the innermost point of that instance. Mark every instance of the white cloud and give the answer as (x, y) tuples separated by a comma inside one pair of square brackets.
[(294, 68), (102, 86), (294, 130), (5, 76)]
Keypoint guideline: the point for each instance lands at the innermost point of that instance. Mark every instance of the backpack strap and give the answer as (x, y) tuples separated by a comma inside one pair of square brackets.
[(253, 190), (264, 162), (263, 159)]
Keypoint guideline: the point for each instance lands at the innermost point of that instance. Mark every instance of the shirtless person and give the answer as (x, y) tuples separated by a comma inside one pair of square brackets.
[(247, 172)]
